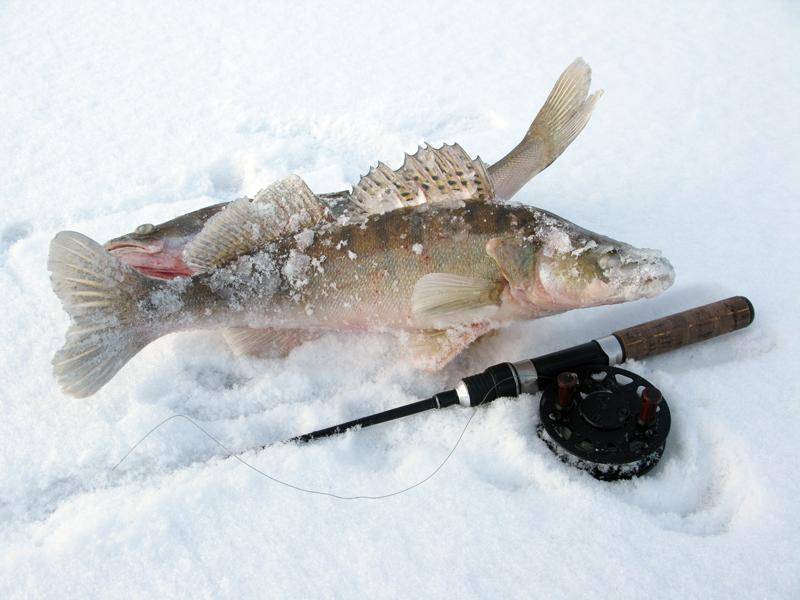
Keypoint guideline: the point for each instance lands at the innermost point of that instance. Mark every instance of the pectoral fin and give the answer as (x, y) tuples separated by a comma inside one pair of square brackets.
[(444, 296)]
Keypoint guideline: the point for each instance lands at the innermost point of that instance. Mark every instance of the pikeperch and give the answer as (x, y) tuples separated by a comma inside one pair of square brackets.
[(157, 250), (426, 251)]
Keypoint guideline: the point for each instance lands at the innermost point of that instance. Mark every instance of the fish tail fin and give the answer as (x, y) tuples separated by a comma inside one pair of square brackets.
[(102, 295), (564, 115)]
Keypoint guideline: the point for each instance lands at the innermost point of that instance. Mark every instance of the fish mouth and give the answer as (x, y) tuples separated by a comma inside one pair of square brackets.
[(124, 246), (625, 275), (154, 259), (644, 273)]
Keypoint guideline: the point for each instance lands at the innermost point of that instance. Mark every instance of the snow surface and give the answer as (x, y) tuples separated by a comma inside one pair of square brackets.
[(117, 115)]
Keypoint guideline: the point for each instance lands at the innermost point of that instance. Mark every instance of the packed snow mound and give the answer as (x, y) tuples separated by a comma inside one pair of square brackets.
[(116, 116)]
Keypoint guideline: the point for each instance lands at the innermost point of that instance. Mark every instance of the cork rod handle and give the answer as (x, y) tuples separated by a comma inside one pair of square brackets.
[(687, 327)]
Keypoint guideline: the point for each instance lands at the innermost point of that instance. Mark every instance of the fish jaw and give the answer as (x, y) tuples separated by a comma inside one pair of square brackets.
[(621, 273), (561, 266), (153, 258), (157, 250)]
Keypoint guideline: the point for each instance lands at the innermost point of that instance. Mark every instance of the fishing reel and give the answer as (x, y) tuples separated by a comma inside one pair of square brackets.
[(595, 416), (605, 420)]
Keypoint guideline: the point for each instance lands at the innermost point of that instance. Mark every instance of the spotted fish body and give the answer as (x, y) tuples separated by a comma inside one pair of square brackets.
[(366, 275), (363, 275), (427, 251), (359, 276)]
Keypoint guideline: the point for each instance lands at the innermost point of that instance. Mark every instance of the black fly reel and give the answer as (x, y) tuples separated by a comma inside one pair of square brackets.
[(604, 420)]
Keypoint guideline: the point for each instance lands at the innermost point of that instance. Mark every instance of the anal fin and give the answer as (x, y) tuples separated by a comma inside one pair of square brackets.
[(266, 343)]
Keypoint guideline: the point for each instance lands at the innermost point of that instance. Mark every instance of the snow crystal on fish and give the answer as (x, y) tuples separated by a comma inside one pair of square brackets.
[(295, 269), (250, 276), (588, 245), (556, 242), (304, 239), (168, 299), (317, 263)]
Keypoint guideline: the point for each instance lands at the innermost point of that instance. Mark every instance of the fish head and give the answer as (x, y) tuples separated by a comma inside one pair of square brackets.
[(157, 250), (559, 266), (151, 251)]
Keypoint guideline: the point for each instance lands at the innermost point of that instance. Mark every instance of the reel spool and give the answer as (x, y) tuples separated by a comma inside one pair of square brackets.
[(604, 420)]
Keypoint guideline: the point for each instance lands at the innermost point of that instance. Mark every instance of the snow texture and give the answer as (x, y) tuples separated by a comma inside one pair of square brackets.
[(116, 115)]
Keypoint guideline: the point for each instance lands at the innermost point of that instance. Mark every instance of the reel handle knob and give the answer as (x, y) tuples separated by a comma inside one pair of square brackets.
[(651, 398), (687, 327), (566, 382)]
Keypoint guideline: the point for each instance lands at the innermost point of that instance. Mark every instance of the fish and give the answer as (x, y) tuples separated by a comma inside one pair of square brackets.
[(157, 250), (433, 252)]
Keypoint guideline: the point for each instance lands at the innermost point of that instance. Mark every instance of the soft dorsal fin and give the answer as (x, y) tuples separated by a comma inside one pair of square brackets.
[(243, 226), (432, 175)]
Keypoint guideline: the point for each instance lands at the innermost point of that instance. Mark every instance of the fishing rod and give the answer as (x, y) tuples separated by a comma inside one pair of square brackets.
[(595, 416)]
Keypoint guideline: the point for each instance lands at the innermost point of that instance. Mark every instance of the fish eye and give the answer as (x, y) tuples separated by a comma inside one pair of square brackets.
[(144, 229)]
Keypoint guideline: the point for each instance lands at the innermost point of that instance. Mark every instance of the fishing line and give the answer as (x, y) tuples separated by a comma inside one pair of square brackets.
[(231, 454), (594, 415)]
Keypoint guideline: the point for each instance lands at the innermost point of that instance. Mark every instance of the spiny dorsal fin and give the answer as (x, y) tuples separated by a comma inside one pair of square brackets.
[(244, 226), (432, 175)]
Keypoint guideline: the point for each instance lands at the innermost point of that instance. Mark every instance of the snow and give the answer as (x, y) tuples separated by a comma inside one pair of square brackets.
[(120, 115)]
